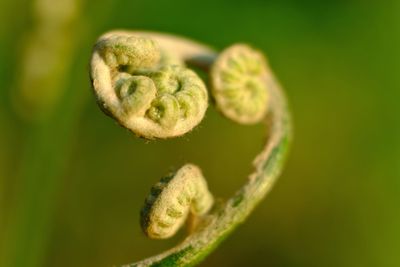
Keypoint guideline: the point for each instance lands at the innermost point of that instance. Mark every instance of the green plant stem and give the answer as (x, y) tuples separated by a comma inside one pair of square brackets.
[(225, 217)]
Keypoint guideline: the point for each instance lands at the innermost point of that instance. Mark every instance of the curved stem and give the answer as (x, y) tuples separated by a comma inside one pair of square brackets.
[(225, 217)]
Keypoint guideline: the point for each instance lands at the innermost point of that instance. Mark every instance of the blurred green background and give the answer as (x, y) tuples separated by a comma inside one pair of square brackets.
[(72, 182)]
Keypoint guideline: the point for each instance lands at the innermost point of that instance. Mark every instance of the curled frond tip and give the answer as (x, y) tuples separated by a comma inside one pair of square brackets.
[(143, 89), (172, 199), (239, 87)]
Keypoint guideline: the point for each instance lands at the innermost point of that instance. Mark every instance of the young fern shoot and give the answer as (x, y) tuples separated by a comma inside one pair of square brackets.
[(141, 80), (147, 95), (172, 199), (239, 80)]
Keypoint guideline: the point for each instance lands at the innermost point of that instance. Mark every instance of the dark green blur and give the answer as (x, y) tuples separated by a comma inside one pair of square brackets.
[(337, 203)]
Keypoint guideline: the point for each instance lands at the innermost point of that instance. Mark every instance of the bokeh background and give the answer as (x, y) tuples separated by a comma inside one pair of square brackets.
[(72, 182)]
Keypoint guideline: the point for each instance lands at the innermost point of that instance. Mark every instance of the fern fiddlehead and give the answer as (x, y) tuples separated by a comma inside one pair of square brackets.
[(170, 201), (154, 98), (244, 90), (239, 81)]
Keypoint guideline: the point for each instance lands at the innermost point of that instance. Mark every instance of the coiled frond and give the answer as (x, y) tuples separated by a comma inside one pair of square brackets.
[(146, 90), (239, 85), (172, 199)]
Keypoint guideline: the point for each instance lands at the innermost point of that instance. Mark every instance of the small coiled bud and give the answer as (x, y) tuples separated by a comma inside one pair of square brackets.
[(239, 87), (183, 90), (136, 93), (172, 199), (148, 91)]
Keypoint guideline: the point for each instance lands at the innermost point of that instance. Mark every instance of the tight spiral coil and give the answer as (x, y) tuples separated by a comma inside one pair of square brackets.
[(172, 199), (239, 84), (145, 89)]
